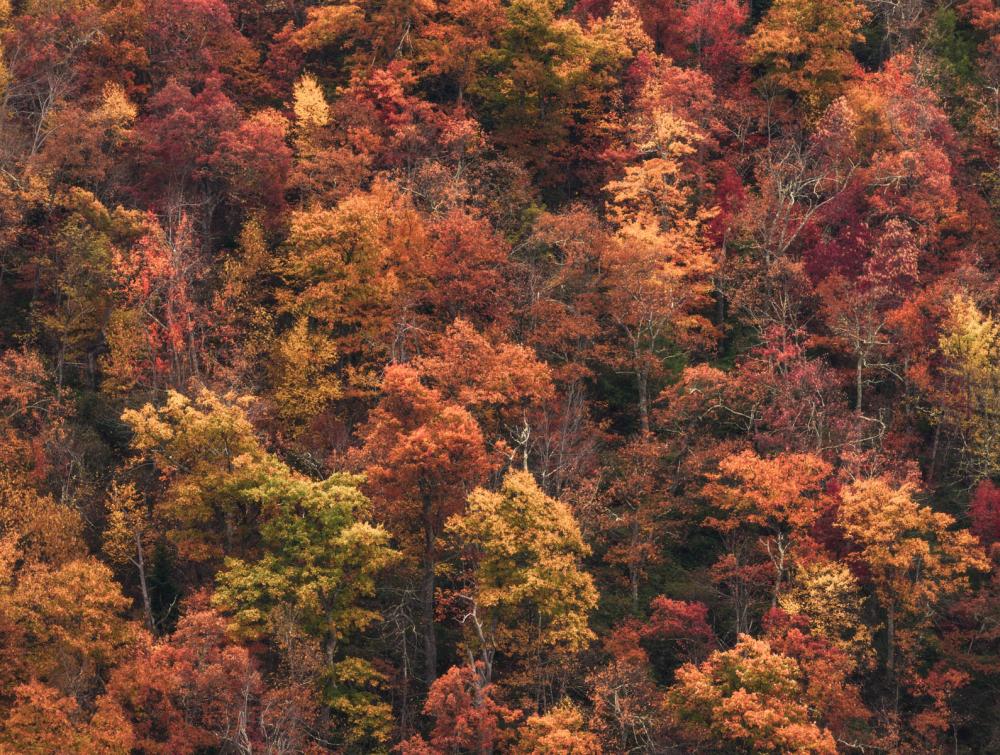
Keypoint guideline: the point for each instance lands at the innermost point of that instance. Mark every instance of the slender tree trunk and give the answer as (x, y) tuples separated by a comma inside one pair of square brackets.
[(147, 605), (634, 564), (859, 386), (890, 655), (932, 471), (427, 599), (642, 383), (779, 567)]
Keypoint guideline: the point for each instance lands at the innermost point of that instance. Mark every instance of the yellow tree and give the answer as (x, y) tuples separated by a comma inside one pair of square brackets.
[(346, 269), (309, 104), (970, 394), (913, 557), (208, 456), (129, 536), (659, 267), (828, 594), (528, 597), (302, 377), (42, 530), (804, 47)]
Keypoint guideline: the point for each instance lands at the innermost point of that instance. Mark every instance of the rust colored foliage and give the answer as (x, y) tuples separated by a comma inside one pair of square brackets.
[(472, 377)]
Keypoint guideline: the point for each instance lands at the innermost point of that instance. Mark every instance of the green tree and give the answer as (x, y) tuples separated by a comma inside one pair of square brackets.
[(528, 596), (319, 562), (209, 457)]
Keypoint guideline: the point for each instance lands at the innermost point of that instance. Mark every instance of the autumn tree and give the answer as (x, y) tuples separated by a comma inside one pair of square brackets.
[(155, 336), (302, 362), (631, 517), (337, 268), (467, 717), (915, 560), (73, 620), (969, 345), (750, 698), (804, 48), (42, 530), (190, 690), (560, 730), (129, 538), (422, 456), (562, 72), (502, 384), (320, 561), (781, 498), (528, 597), (659, 265), (43, 720), (829, 595), (204, 500)]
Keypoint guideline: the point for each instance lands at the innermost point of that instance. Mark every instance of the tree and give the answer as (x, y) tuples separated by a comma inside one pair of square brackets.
[(984, 513), (302, 377), (829, 595), (72, 617), (782, 497), (78, 268), (129, 537), (191, 690), (44, 721), (339, 270), (627, 703), (827, 673), (749, 698), (209, 458), (42, 530), (503, 385), (422, 456), (632, 515), (913, 557), (858, 312), (466, 716), (84, 143), (527, 598), (309, 104), (714, 29), (320, 561), (680, 623), (561, 73), (659, 266), (178, 138), (560, 730), (155, 336), (804, 47), (970, 345)]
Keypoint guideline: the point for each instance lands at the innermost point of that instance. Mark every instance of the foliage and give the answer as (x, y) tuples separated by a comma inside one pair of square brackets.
[(474, 376)]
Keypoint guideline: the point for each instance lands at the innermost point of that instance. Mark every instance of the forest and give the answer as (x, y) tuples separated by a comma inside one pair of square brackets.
[(541, 377)]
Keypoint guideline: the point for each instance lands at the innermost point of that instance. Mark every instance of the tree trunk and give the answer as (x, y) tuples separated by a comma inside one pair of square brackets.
[(427, 599), (890, 654), (642, 383), (147, 606), (932, 470), (859, 386), (634, 564), (779, 567)]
